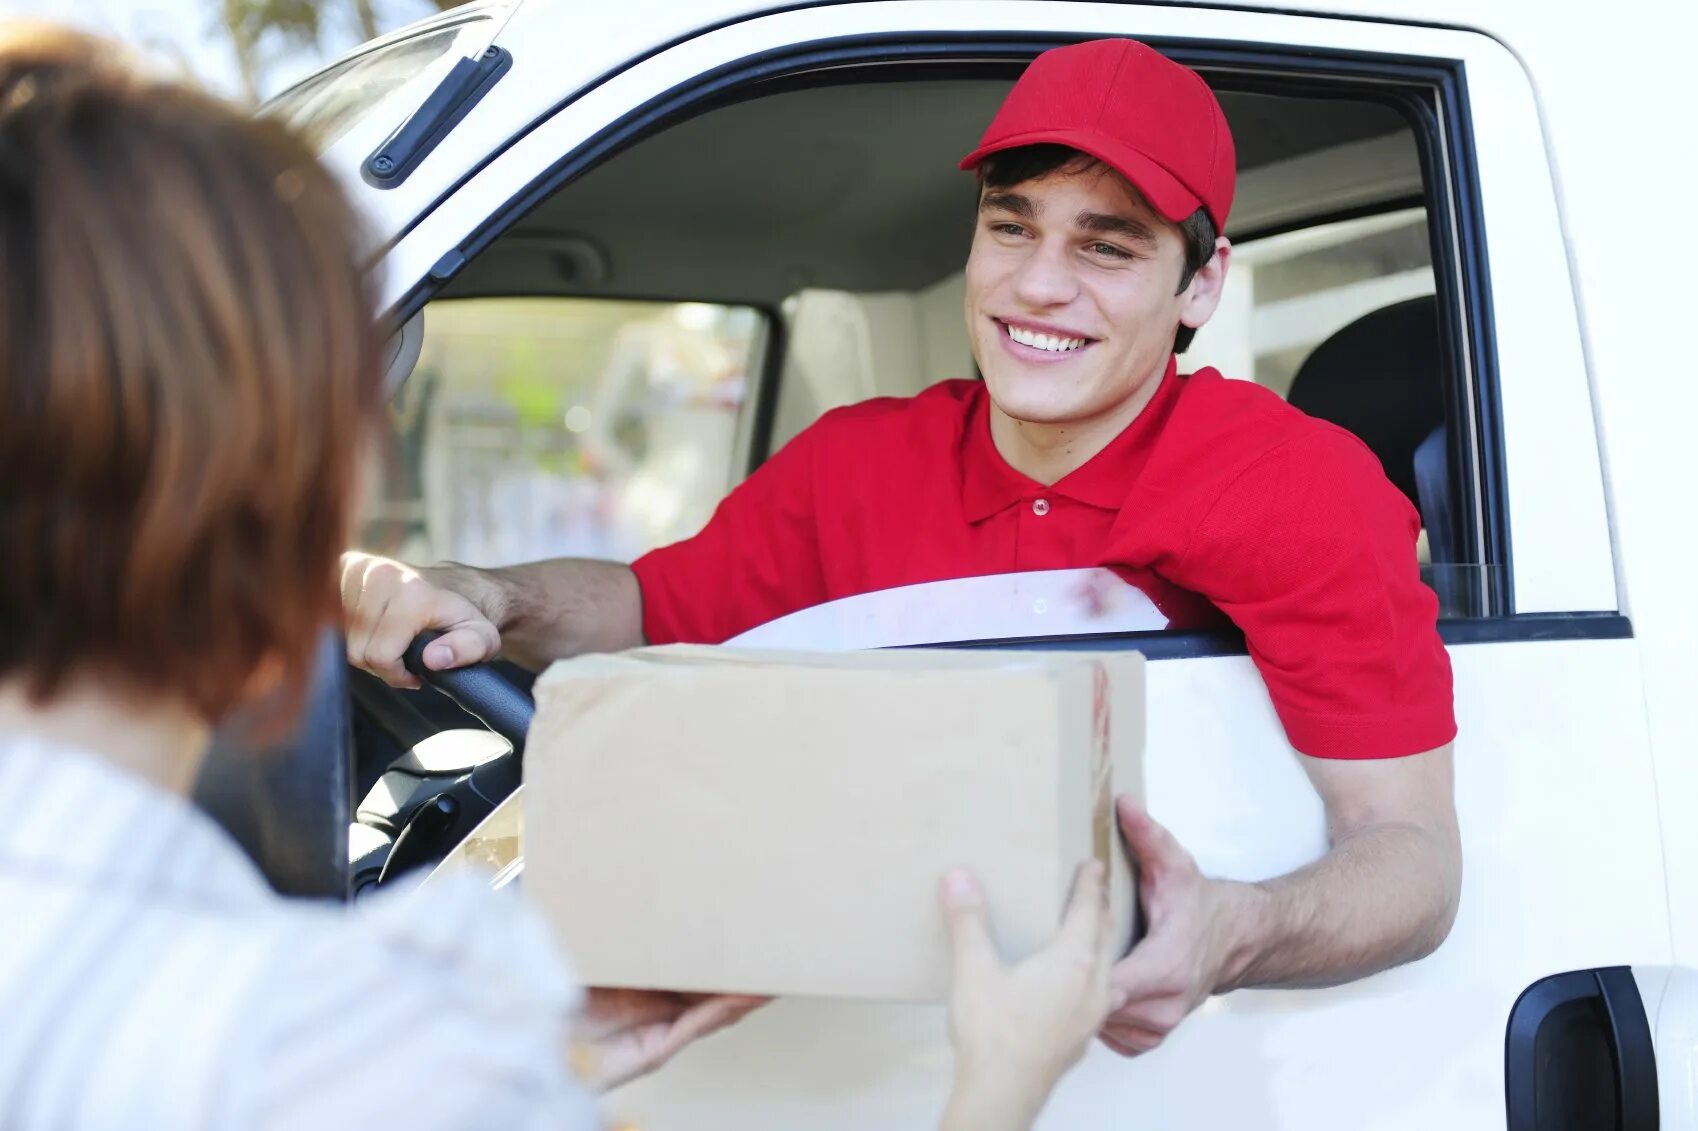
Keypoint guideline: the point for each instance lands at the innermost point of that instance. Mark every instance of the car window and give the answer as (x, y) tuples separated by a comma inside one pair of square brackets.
[(1291, 292), (541, 427), (861, 261)]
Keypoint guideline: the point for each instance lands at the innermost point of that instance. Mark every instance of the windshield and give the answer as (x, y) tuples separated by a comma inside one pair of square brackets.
[(332, 102)]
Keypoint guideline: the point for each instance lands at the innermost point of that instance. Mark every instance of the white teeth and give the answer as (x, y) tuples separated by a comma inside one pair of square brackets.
[(1046, 342)]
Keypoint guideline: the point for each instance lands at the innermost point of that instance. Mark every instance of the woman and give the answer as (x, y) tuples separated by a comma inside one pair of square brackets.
[(188, 371)]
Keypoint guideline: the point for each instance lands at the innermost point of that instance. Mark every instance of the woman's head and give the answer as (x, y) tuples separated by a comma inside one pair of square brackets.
[(188, 359)]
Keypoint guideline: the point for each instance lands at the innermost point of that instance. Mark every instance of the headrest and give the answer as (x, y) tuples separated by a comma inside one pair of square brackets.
[(1381, 378)]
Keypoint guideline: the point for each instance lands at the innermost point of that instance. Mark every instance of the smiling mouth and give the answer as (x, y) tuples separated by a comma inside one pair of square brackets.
[(1048, 343)]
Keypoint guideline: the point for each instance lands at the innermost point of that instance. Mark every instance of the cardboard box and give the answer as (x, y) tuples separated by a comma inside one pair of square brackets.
[(715, 819)]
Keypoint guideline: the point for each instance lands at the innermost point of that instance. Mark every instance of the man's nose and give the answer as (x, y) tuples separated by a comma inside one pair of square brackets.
[(1046, 277)]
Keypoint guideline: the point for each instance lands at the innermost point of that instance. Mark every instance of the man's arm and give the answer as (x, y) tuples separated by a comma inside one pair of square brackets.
[(1385, 894), (552, 609), (756, 559), (531, 613)]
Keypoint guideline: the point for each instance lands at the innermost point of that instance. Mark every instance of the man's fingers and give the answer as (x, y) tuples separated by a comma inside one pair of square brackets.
[(1130, 1041), (465, 639), (404, 619), (361, 607), (373, 599), (466, 644), (964, 915), (1145, 971), (353, 580), (388, 604), (1151, 848)]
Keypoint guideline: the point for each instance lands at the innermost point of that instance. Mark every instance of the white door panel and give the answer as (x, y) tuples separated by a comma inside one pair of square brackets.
[(1671, 1005), (1552, 753)]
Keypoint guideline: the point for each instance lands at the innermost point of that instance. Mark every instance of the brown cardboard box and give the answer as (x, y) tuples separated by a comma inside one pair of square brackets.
[(776, 823)]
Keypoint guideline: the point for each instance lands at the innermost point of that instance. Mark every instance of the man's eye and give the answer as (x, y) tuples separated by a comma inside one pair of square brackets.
[(1109, 250), (1006, 228)]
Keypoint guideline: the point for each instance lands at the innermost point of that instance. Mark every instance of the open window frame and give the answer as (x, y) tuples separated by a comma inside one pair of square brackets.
[(1430, 93)]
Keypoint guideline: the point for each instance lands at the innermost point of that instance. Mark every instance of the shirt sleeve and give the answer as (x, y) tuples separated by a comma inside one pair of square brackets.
[(1311, 551), (450, 1002), (757, 559)]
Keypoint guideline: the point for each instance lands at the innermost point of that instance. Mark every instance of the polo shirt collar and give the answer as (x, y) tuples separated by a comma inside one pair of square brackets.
[(989, 485)]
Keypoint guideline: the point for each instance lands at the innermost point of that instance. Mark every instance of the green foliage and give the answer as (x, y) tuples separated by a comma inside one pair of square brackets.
[(297, 22)]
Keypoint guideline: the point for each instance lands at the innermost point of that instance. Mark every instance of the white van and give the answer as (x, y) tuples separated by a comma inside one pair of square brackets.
[(637, 246)]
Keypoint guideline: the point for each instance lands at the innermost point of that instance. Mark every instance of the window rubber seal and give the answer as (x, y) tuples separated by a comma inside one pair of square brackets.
[(1161, 644)]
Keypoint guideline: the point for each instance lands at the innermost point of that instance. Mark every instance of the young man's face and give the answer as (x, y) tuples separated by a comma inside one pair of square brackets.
[(1071, 296)]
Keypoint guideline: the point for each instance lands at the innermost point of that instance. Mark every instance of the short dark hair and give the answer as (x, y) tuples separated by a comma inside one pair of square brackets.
[(1024, 163), (189, 360)]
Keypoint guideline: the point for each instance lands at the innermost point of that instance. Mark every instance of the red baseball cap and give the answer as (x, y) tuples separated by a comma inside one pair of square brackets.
[(1131, 107)]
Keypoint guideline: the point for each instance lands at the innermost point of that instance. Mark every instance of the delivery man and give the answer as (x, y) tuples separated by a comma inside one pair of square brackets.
[(1105, 181)]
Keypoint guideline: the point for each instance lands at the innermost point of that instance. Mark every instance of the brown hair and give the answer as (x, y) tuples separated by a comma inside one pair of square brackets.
[(1011, 167), (188, 356)]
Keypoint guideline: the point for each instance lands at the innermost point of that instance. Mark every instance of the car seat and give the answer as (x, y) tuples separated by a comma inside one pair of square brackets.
[(1382, 377), (288, 803)]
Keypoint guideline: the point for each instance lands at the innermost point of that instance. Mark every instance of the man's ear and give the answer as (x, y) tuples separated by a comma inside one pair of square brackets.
[(1198, 303)]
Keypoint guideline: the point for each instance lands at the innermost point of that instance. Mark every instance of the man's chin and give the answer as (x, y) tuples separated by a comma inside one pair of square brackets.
[(1030, 407)]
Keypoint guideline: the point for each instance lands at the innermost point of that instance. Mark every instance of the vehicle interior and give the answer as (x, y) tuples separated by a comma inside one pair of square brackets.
[(617, 359)]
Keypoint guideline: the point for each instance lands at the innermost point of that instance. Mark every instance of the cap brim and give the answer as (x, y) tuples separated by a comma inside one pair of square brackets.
[(1161, 188)]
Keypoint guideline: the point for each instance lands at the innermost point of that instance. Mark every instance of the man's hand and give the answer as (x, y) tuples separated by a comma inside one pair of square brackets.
[(1194, 928), (388, 604), (1385, 894), (623, 1034), (1017, 1029)]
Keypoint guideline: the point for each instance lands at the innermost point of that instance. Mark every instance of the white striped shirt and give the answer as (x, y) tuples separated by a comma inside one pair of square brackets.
[(149, 978)]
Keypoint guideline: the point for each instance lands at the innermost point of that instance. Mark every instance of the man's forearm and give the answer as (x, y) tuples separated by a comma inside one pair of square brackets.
[(552, 609), (1381, 897)]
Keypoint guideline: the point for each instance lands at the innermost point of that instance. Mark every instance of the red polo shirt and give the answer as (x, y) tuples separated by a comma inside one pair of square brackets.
[(1219, 499)]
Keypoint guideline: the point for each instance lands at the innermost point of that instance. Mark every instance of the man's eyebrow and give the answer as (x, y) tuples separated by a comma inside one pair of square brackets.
[(1020, 206), (1107, 224)]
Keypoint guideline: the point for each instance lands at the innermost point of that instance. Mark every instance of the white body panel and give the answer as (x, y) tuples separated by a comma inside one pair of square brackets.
[(1414, 1049), (1671, 1006), (1578, 760)]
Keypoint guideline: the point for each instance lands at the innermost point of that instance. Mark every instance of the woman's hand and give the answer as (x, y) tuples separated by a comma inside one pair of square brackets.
[(623, 1034), (1017, 1029)]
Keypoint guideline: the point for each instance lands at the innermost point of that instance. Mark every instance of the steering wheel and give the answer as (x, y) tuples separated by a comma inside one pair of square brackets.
[(458, 785), (431, 779)]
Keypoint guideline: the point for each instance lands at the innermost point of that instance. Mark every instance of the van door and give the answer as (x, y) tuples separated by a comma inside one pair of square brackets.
[(1553, 739)]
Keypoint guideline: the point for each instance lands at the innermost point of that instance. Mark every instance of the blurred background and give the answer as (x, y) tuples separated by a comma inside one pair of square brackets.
[(541, 420), (531, 427), (244, 49)]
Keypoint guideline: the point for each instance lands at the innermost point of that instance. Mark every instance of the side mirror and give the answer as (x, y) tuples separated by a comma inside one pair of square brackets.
[(401, 353)]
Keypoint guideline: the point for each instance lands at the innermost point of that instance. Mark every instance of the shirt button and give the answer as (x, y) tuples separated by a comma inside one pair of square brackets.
[(1040, 507)]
